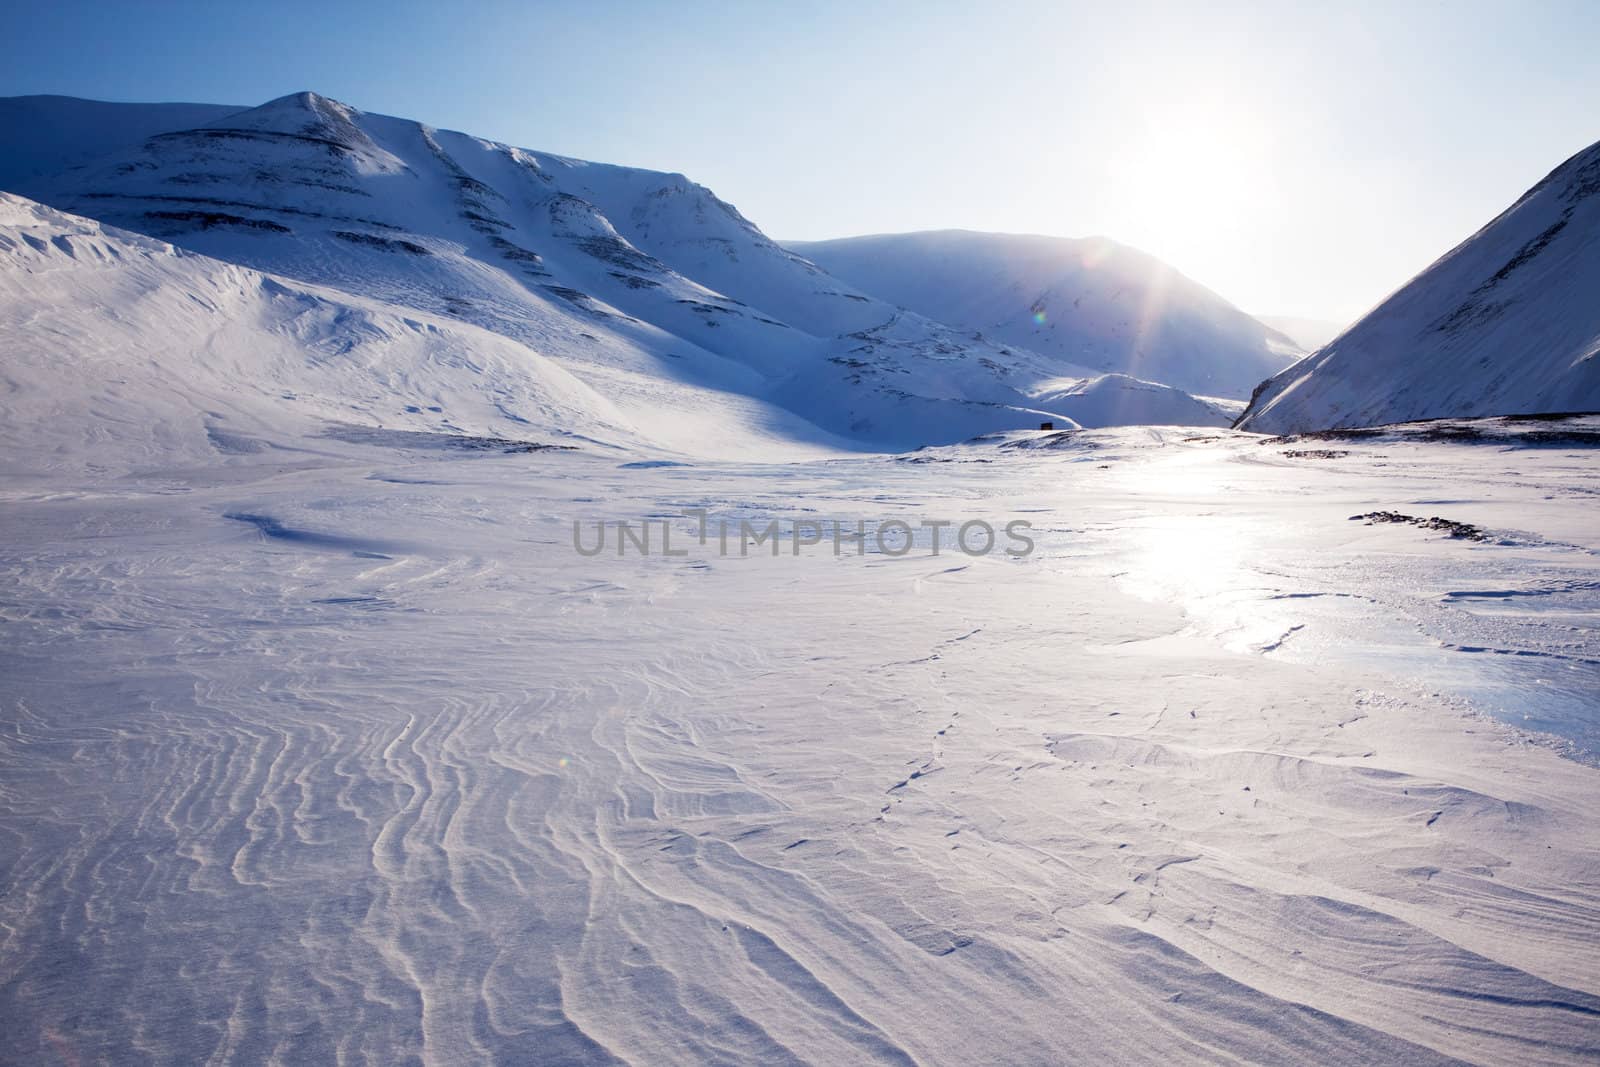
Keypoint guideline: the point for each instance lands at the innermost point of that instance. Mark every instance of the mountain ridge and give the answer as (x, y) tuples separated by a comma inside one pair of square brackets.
[(608, 269), (525, 244)]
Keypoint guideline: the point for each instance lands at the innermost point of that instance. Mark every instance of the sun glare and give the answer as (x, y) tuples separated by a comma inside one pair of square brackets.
[(1193, 175)]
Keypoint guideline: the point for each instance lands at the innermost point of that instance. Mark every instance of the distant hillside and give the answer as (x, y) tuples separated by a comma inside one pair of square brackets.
[(1092, 305)]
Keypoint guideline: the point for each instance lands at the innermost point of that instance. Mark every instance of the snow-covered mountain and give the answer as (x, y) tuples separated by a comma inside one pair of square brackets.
[(1086, 303), (594, 265), (1506, 322), (123, 353), (1118, 400)]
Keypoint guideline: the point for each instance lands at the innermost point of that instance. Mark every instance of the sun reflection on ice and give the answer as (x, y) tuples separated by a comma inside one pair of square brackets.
[(1189, 557), (1204, 564)]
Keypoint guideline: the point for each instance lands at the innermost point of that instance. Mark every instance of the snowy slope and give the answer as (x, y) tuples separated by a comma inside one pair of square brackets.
[(123, 353), (1506, 322), (627, 269), (45, 134), (1088, 303), (1118, 400)]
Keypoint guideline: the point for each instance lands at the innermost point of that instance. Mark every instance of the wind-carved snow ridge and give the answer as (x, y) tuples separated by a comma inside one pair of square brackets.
[(1505, 323), (347, 755)]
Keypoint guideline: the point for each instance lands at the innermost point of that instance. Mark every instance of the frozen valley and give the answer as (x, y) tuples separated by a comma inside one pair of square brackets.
[(324, 737)]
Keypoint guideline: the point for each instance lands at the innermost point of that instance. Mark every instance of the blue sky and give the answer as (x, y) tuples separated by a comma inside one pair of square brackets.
[(1300, 160)]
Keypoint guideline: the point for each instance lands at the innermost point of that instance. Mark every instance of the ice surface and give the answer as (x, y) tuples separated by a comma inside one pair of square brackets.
[(355, 758)]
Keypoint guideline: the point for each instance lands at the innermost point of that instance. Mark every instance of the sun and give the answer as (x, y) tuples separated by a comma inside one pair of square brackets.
[(1193, 177)]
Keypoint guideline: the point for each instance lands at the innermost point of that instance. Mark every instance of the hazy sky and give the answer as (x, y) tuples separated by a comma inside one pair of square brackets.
[(1298, 159)]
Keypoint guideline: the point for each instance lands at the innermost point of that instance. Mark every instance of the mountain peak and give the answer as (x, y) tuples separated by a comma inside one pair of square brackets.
[(305, 114)]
